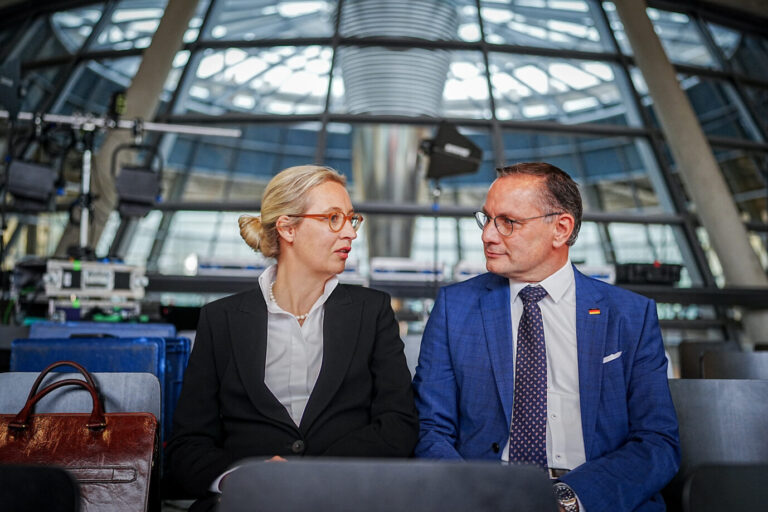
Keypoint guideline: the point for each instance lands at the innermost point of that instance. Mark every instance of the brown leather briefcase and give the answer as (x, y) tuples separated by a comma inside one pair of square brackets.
[(110, 455)]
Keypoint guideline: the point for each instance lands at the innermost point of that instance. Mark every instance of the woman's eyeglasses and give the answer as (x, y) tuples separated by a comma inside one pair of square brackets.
[(336, 220)]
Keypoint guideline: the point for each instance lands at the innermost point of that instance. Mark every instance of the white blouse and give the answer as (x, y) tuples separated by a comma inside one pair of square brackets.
[(294, 352)]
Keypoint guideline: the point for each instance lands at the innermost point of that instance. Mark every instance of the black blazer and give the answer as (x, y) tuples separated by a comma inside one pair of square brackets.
[(362, 404)]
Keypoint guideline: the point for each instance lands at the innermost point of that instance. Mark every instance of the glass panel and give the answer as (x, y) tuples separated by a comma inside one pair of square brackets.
[(566, 91), (197, 21), (190, 233), (466, 87), (714, 262), (73, 27), (458, 240), (618, 27), (234, 20), (747, 53), (131, 26), (133, 23), (216, 168), (46, 230), (108, 234), (565, 24), (143, 238), (338, 150), (93, 83), (759, 104), (746, 173), (679, 36), (279, 80), (647, 244), (759, 242), (469, 28), (616, 174), (42, 41), (716, 104), (204, 236), (590, 247), (7, 35), (40, 85)]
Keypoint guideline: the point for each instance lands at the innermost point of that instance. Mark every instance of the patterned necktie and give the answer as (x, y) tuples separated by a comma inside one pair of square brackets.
[(528, 434)]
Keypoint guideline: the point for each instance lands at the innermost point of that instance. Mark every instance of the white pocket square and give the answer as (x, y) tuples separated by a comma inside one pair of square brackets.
[(609, 358)]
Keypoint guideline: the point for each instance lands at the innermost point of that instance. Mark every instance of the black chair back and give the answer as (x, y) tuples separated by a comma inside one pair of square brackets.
[(385, 486), (726, 487), (36, 488), (721, 422), (734, 365)]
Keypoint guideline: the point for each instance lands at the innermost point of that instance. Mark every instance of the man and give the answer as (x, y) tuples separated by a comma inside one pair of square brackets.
[(571, 370)]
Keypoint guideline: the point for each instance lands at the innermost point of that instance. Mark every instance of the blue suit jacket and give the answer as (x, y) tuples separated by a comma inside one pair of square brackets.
[(464, 388)]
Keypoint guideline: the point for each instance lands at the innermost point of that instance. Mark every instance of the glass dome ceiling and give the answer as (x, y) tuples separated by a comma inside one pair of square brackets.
[(524, 79), (241, 67)]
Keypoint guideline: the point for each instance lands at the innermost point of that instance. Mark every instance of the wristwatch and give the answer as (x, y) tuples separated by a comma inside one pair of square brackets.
[(566, 498)]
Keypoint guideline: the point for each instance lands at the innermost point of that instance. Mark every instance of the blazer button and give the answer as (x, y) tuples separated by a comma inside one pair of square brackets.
[(495, 447), (297, 446)]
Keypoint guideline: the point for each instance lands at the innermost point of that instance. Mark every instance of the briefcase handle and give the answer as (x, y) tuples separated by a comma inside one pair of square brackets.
[(51, 367), (95, 422)]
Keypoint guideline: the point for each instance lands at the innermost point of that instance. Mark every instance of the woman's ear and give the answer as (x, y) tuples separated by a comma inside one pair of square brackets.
[(286, 229), (563, 227)]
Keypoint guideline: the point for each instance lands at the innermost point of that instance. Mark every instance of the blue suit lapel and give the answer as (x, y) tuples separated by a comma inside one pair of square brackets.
[(590, 341), (497, 324)]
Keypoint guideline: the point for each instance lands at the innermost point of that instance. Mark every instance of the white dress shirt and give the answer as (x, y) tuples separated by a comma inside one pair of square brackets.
[(294, 352), (565, 442)]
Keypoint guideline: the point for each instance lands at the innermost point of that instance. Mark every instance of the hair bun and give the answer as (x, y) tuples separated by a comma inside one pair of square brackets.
[(250, 230)]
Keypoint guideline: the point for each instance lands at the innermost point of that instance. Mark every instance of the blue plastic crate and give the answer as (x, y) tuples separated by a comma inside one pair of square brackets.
[(176, 359), (164, 357), (95, 354), (119, 330)]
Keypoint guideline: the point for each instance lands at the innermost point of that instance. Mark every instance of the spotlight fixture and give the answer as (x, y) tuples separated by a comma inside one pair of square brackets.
[(138, 189), (32, 185), (138, 186), (451, 153)]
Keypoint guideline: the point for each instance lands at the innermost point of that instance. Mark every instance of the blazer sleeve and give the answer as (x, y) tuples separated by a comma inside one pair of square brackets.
[(626, 478), (194, 457), (393, 428), (437, 394)]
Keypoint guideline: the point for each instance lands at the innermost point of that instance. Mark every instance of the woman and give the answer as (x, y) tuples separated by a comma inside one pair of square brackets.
[(301, 365)]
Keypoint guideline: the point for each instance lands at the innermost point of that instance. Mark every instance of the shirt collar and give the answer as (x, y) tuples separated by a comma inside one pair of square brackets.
[(268, 277), (556, 284)]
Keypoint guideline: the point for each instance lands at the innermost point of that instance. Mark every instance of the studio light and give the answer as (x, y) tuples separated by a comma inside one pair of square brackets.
[(138, 189), (32, 185), (451, 153)]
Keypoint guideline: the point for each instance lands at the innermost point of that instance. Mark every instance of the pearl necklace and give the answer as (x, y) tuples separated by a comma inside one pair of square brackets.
[(300, 318)]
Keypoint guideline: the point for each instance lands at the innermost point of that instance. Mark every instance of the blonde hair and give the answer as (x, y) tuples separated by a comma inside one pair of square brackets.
[(286, 194)]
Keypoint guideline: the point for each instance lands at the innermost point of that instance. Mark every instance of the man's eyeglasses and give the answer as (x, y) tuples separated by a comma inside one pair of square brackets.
[(336, 220), (505, 225)]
